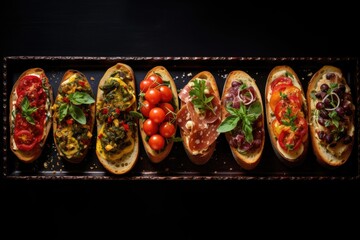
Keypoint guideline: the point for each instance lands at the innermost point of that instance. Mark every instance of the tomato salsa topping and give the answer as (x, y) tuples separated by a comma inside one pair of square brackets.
[(30, 113)]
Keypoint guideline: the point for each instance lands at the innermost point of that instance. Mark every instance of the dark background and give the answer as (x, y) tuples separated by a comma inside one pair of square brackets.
[(179, 209)]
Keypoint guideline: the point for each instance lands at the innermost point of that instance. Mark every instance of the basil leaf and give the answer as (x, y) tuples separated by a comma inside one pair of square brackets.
[(242, 109), (26, 111), (63, 111), (247, 128), (228, 124), (209, 99), (30, 120), (254, 108), (77, 114), (251, 118), (136, 114), (198, 96), (288, 74), (25, 104), (78, 98), (231, 110), (177, 139)]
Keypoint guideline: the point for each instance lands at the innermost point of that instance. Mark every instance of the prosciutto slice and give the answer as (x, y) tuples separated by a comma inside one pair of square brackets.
[(203, 138), (200, 128)]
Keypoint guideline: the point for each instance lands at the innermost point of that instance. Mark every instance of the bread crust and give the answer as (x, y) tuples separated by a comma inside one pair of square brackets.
[(246, 161), (78, 157), (299, 157), (127, 161), (156, 156), (204, 156), (32, 155), (324, 156)]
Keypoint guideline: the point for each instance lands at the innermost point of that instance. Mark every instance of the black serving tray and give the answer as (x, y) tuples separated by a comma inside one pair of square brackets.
[(177, 165)]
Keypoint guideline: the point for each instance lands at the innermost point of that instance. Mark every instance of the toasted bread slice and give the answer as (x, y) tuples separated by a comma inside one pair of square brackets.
[(154, 155), (74, 116), (117, 142), (34, 84), (246, 85), (195, 136), (332, 140), (289, 133)]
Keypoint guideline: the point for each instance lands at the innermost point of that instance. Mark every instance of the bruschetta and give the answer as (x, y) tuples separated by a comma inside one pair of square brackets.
[(286, 113), (158, 104), (243, 119), (74, 116), (117, 140), (199, 117), (331, 113), (30, 114)]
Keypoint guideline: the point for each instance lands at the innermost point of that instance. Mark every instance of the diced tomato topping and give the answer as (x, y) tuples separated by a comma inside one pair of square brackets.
[(66, 99), (104, 111), (125, 126), (28, 134)]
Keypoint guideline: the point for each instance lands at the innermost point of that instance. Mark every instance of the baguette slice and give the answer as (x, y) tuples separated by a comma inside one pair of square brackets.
[(247, 159), (35, 79), (72, 136), (117, 141), (292, 128), (335, 153), (198, 134), (158, 156)]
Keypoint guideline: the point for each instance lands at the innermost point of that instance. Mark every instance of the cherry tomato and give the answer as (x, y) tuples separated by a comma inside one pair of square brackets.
[(169, 111), (157, 114), (145, 85), (153, 95), (167, 129), (155, 79), (166, 93), (150, 127), (145, 108), (24, 140), (157, 142)]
